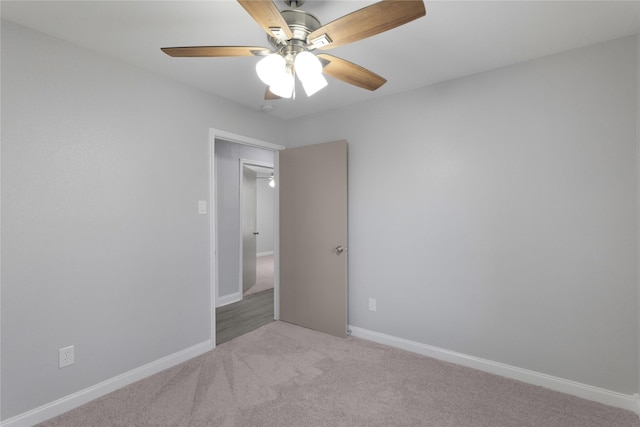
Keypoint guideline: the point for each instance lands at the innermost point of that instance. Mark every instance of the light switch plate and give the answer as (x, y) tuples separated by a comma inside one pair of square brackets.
[(202, 207)]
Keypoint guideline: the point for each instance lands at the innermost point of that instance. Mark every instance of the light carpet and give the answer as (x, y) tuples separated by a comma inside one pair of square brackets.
[(284, 375), (264, 275)]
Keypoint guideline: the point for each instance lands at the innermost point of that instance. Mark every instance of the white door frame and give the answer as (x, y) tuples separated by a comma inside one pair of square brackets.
[(213, 239), (248, 162)]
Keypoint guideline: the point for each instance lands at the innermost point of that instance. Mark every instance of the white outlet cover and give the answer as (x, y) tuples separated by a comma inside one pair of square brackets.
[(372, 304), (66, 356)]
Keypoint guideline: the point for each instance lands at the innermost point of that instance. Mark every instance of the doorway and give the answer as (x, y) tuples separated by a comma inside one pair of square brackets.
[(304, 169), (245, 225)]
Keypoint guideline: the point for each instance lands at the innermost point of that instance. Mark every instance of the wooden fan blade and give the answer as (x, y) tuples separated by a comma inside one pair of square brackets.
[(215, 51), (268, 16), (368, 21), (268, 95), (350, 73)]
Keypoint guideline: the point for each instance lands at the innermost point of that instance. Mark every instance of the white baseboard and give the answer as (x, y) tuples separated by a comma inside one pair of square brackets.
[(228, 299), (607, 397), (81, 397), (259, 254)]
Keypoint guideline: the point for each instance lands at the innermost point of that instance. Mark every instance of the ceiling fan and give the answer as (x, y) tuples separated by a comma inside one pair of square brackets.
[(294, 34)]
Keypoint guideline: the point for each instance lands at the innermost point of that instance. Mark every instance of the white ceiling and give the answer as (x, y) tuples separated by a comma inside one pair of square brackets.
[(454, 39)]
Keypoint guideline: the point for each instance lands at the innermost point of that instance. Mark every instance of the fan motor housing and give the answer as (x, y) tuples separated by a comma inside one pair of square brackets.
[(301, 24)]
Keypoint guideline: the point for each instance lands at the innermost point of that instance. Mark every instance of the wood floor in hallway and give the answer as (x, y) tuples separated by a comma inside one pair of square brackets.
[(244, 316)]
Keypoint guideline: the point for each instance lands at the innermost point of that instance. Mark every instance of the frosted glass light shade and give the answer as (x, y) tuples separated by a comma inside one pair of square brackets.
[(313, 83), (271, 68), (307, 64), (309, 71), (283, 86)]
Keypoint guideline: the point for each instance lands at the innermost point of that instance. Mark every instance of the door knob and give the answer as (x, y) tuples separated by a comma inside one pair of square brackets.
[(339, 249), (256, 233)]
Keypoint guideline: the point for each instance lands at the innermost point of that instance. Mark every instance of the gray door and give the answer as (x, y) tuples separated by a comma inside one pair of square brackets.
[(313, 237), (249, 201)]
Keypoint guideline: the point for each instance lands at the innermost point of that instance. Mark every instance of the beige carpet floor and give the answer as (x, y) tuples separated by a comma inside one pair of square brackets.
[(284, 375), (264, 275)]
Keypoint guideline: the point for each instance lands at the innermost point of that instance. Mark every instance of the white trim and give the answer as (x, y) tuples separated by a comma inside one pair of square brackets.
[(574, 388), (267, 253), (213, 240), (637, 408), (638, 199), (229, 299), (245, 140), (81, 397)]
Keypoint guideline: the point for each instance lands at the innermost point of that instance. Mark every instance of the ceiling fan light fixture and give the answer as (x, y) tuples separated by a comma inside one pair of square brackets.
[(313, 83), (271, 68), (309, 70), (283, 86), (307, 65), (293, 33)]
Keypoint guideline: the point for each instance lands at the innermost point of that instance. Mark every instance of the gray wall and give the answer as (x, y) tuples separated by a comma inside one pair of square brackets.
[(265, 216), (102, 246), (228, 155), (495, 215)]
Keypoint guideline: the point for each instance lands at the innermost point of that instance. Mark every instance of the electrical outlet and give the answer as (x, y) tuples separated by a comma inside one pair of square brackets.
[(372, 304), (66, 356)]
